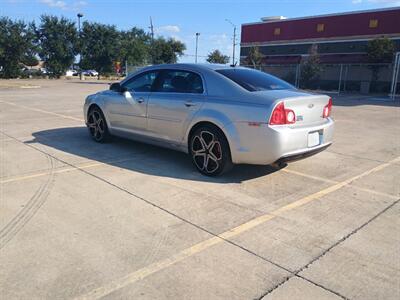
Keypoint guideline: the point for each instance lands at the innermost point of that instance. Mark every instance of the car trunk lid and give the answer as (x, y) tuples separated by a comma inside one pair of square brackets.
[(308, 109)]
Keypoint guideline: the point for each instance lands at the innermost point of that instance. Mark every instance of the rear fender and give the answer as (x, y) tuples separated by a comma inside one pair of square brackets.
[(220, 120)]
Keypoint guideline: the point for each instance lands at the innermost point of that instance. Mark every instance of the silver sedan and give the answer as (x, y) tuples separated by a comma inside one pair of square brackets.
[(218, 114)]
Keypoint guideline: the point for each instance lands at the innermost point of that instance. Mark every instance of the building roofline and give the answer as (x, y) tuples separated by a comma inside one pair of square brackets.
[(326, 15)]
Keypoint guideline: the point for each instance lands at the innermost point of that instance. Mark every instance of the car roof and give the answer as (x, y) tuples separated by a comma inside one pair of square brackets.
[(194, 67), (217, 84)]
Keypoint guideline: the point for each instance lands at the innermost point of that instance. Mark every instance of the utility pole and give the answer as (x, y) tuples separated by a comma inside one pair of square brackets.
[(197, 42), (151, 29), (152, 40), (234, 40)]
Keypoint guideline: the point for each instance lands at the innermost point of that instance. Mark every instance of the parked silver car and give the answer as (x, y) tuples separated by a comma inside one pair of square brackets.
[(90, 73), (220, 115)]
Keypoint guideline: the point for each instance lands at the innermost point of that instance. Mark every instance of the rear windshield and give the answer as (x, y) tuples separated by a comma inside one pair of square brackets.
[(253, 80)]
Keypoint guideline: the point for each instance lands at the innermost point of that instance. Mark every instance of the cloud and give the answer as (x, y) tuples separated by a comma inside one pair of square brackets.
[(55, 3), (167, 29), (207, 43), (383, 2), (80, 3), (222, 42), (219, 41), (76, 5)]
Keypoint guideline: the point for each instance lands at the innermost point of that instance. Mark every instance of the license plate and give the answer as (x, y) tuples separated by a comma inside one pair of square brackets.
[(313, 139)]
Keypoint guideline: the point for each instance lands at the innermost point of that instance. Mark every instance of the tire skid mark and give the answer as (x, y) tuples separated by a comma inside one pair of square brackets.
[(11, 229), (158, 243)]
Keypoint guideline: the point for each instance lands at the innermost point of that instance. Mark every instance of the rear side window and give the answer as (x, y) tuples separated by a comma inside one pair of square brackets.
[(253, 80), (176, 81)]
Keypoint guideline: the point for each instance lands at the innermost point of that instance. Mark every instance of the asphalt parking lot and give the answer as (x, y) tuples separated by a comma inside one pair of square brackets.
[(125, 220)]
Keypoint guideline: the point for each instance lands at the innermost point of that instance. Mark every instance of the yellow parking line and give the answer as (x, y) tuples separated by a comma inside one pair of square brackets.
[(78, 167), (160, 265), (308, 176), (334, 181), (43, 111), (150, 269), (19, 178)]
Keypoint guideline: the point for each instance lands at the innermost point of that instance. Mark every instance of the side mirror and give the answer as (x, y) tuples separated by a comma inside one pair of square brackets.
[(116, 87)]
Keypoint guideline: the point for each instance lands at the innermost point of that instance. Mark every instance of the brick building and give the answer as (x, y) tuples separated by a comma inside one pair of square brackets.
[(341, 38)]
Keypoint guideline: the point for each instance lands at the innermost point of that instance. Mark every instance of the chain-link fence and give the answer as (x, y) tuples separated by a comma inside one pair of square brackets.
[(362, 78)]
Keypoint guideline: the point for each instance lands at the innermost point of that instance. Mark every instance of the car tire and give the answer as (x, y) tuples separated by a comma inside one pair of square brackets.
[(97, 125), (210, 151)]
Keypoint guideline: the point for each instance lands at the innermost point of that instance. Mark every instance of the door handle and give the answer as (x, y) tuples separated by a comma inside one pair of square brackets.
[(140, 100), (189, 104)]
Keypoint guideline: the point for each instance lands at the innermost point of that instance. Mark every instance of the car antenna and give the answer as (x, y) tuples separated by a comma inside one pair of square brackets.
[(234, 65)]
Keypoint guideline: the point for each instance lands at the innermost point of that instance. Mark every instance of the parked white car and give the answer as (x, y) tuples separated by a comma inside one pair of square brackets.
[(70, 73)]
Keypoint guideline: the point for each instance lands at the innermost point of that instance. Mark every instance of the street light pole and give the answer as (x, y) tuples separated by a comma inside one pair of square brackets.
[(80, 15), (234, 40), (197, 42)]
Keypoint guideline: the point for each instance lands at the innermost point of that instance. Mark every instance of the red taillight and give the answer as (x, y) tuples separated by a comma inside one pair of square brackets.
[(278, 115), (327, 109), (290, 116), (282, 115)]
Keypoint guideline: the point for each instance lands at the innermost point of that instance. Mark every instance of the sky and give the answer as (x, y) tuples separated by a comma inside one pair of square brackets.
[(181, 19)]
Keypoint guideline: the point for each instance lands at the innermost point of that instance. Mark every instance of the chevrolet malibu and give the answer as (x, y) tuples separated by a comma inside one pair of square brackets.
[(220, 115)]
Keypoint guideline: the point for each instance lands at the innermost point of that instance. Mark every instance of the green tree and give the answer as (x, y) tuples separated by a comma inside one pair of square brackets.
[(30, 57), (30, 60), (16, 44), (379, 51), (254, 57), (101, 46), (216, 57), (135, 46), (58, 43), (310, 68), (166, 51)]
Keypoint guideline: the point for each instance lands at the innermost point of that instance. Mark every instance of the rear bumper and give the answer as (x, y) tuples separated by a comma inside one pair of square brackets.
[(267, 144), (301, 155)]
